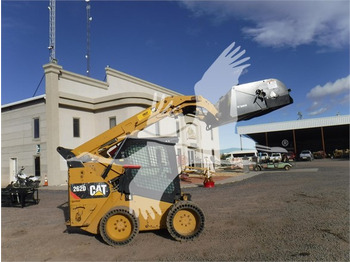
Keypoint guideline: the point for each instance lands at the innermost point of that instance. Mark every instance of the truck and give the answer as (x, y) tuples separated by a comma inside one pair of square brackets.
[(119, 184), (263, 157), (275, 157)]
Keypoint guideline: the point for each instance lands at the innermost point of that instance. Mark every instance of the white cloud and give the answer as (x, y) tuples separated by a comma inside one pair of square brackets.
[(339, 87), (318, 111), (329, 95), (284, 23)]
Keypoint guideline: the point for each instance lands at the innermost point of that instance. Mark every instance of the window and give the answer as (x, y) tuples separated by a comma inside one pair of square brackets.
[(112, 121), (191, 158), (37, 165), (178, 152), (76, 127), (156, 176), (36, 128)]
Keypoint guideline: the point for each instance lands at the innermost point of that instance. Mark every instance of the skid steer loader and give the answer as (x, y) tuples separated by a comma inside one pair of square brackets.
[(119, 185)]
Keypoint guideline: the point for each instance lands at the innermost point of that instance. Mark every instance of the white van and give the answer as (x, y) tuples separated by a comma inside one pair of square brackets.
[(236, 155)]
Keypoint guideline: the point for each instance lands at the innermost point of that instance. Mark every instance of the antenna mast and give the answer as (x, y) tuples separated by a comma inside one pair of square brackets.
[(88, 21), (52, 30)]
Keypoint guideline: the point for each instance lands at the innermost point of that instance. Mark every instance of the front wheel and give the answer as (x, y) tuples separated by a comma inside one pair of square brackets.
[(185, 221), (15, 184), (119, 227), (287, 168), (257, 168)]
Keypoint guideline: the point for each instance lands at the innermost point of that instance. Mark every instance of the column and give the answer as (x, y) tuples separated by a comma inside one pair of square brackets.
[(52, 72)]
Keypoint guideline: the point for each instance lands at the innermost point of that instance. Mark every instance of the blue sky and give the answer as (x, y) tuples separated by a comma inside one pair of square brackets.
[(305, 44)]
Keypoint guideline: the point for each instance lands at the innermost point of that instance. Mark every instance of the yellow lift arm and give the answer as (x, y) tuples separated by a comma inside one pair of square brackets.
[(169, 106)]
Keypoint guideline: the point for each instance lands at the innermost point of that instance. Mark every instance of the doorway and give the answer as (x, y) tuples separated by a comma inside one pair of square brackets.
[(191, 157), (37, 171)]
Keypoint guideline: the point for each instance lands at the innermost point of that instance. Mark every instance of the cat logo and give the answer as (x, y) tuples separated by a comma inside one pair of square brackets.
[(98, 190)]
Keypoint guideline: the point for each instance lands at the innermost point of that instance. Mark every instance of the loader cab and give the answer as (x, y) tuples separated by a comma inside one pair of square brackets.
[(150, 169)]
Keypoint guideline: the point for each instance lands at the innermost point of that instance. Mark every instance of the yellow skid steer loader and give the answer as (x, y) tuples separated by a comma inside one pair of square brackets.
[(119, 185)]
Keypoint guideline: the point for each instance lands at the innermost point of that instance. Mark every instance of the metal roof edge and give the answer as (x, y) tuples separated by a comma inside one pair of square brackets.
[(24, 101), (296, 124)]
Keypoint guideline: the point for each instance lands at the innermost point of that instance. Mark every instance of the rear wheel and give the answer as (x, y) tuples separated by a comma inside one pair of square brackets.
[(185, 221), (287, 167), (119, 227)]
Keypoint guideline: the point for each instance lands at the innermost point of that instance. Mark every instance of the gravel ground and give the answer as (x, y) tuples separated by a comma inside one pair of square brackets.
[(298, 215)]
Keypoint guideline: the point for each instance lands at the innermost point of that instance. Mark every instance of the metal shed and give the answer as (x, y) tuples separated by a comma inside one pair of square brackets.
[(318, 134)]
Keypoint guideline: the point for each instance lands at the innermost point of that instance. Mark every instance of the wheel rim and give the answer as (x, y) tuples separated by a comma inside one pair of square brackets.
[(119, 227), (185, 222)]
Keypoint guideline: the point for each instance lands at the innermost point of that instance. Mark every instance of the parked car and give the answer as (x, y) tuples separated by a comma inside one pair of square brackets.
[(264, 157), (291, 156), (319, 154), (306, 155), (276, 157)]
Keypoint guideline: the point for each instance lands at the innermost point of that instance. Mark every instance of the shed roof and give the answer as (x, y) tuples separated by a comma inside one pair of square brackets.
[(24, 101), (292, 125)]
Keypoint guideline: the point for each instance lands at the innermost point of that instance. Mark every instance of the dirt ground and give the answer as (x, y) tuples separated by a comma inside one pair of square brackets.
[(299, 215)]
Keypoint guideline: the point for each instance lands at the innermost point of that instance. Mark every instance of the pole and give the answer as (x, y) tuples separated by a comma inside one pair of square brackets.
[(88, 21), (323, 143), (294, 142), (52, 31)]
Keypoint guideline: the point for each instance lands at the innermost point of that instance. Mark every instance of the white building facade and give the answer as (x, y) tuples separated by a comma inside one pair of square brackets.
[(76, 108)]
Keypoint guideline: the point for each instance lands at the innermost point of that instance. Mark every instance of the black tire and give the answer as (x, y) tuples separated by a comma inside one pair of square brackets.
[(287, 168), (257, 168), (119, 227), (185, 221)]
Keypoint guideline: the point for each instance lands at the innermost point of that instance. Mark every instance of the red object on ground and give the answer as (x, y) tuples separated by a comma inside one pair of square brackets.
[(46, 182), (209, 184)]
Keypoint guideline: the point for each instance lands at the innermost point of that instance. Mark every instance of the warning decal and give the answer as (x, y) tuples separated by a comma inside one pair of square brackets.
[(144, 114)]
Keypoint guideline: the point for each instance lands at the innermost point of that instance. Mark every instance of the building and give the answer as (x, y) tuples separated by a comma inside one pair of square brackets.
[(76, 108), (319, 134)]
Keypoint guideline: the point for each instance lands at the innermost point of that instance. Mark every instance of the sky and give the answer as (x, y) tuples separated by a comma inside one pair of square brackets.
[(304, 44)]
